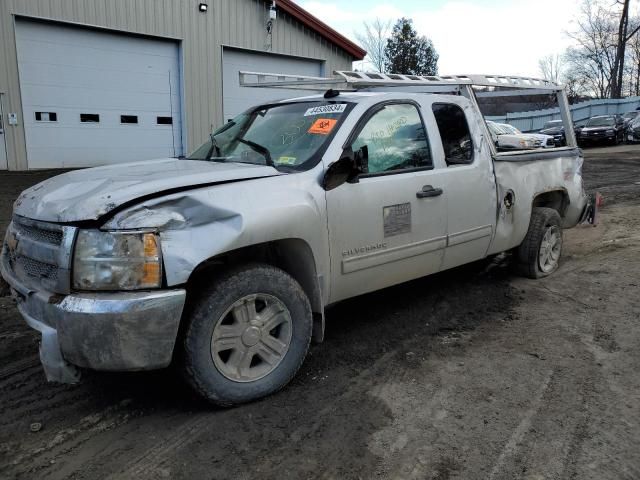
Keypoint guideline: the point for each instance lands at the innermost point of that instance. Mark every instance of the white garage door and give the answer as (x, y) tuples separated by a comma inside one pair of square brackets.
[(95, 98), (237, 99)]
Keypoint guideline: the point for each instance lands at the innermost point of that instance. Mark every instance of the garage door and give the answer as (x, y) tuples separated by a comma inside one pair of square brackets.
[(95, 98), (237, 99)]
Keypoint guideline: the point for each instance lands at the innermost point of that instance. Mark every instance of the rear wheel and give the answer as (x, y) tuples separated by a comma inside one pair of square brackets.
[(248, 334), (539, 253)]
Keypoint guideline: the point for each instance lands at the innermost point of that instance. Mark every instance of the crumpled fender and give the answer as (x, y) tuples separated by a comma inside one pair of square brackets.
[(199, 224)]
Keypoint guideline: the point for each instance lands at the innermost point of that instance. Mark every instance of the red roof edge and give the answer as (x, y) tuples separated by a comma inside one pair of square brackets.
[(322, 28)]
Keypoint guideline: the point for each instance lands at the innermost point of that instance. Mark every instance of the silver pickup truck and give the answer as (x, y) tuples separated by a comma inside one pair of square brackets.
[(224, 262)]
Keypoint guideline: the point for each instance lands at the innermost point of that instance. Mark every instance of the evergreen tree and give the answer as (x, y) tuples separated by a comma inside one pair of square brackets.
[(408, 53)]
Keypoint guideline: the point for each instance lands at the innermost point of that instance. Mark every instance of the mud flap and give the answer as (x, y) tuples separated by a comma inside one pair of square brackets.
[(590, 214)]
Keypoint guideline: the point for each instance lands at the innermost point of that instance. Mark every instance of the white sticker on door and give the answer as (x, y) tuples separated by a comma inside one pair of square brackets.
[(324, 109)]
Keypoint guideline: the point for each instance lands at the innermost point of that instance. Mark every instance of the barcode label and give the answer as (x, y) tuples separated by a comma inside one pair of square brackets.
[(324, 109)]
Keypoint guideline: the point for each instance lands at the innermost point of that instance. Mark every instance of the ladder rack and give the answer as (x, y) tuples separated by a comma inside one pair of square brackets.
[(360, 80)]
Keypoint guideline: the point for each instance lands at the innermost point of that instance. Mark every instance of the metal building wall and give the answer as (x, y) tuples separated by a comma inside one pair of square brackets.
[(236, 23)]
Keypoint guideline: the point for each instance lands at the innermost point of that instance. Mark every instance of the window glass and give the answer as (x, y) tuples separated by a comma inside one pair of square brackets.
[(128, 119), (395, 139), (89, 118), (454, 131), (288, 135), (46, 117), (601, 121)]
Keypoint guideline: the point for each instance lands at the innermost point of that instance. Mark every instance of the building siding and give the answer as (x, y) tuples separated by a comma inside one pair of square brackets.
[(233, 23)]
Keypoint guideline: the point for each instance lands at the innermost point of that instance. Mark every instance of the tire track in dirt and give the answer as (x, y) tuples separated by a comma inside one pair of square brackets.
[(19, 366), (512, 446), (66, 440), (152, 463)]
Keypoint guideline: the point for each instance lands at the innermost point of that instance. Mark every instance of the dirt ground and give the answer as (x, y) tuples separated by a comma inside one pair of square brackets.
[(470, 374)]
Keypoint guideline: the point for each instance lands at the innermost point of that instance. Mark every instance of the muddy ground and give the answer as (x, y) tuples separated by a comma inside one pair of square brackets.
[(471, 374)]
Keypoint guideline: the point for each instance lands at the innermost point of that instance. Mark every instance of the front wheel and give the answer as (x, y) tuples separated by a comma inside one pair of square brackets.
[(247, 336), (539, 253)]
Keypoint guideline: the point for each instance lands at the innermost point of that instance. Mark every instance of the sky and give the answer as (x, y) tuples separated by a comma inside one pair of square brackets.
[(471, 36)]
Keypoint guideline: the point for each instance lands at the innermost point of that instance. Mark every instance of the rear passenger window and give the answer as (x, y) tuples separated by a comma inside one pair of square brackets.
[(395, 139), (454, 131)]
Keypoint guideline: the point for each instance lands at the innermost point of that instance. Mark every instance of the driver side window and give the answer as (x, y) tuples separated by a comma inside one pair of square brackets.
[(395, 139)]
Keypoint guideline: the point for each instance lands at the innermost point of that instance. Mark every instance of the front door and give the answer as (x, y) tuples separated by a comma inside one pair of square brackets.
[(391, 225), (3, 145)]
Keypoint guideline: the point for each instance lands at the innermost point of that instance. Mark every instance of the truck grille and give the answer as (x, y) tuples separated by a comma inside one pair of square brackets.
[(39, 234), (39, 254), (34, 268)]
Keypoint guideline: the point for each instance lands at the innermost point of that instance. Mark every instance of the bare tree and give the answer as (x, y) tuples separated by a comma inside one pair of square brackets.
[(574, 86), (551, 67), (618, 65), (592, 59), (634, 58), (374, 40)]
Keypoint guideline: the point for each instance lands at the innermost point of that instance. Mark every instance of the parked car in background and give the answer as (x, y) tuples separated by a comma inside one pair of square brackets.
[(546, 141), (505, 139), (633, 131), (602, 128), (630, 117), (556, 130)]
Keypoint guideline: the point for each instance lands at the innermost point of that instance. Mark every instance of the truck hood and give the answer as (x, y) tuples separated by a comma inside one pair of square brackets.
[(92, 193), (597, 129)]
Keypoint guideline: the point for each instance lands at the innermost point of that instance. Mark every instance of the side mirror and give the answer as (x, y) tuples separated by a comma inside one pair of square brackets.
[(346, 169), (339, 172)]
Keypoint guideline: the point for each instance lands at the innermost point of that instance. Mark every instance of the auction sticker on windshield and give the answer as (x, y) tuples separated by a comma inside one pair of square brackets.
[(323, 126), (332, 108)]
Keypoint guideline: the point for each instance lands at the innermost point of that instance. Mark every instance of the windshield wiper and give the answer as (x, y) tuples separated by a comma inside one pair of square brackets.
[(258, 148)]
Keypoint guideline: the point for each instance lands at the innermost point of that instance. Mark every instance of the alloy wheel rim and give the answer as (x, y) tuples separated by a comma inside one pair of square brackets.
[(550, 249), (251, 338)]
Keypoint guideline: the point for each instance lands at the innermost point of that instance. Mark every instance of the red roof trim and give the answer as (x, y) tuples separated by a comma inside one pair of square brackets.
[(322, 28)]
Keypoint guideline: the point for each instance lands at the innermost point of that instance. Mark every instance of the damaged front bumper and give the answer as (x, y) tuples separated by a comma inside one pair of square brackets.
[(119, 331)]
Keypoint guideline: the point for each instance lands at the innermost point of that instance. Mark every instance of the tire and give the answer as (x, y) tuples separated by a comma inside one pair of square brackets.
[(544, 227), (235, 353)]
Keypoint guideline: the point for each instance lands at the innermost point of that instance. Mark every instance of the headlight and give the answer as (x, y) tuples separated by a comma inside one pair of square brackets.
[(610, 132), (116, 261), (527, 143)]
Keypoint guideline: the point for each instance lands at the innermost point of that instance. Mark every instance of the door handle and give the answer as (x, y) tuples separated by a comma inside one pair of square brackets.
[(429, 191)]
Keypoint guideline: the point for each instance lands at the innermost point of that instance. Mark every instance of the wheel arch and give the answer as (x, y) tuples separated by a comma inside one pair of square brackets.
[(292, 255), (557, 199)]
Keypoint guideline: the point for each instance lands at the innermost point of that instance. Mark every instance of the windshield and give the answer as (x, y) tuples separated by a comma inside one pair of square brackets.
[(553, 123), (600, 122), (289, 135), (496, 129), (511, 129)]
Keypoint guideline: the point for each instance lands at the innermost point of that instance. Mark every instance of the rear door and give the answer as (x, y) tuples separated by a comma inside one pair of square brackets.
[(391, 225), (469, 180)]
